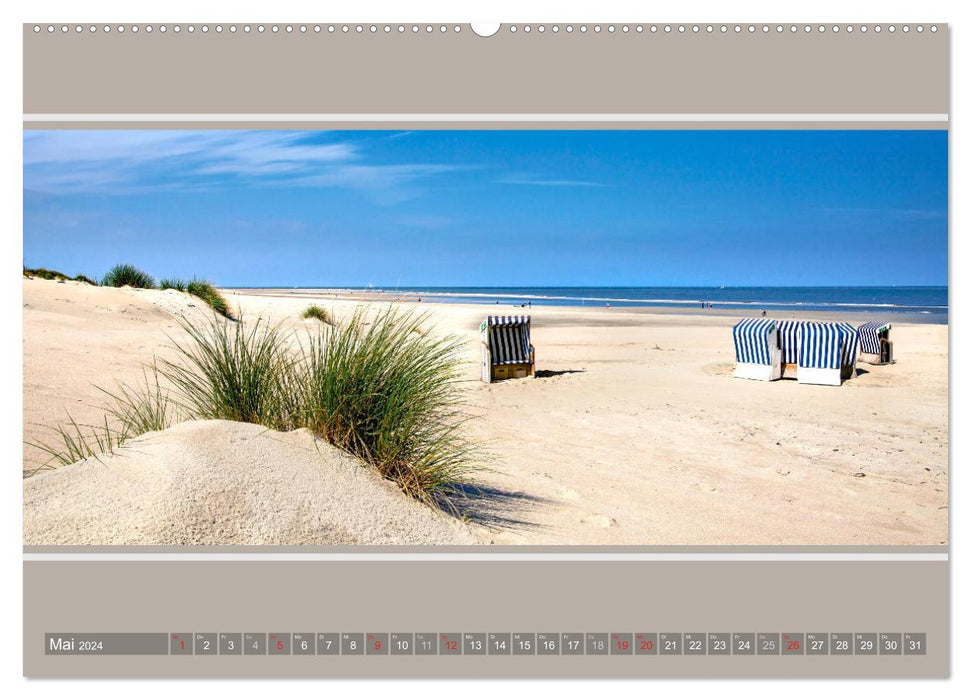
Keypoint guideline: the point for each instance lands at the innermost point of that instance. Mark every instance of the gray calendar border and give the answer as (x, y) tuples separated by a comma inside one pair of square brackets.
[(589, 597), (677, 72)]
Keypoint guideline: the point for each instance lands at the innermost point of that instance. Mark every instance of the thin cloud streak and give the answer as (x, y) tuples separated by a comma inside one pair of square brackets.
[(134, 162), (543, 182)]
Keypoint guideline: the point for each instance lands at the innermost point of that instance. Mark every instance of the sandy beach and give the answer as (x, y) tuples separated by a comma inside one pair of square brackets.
[(633, 432)]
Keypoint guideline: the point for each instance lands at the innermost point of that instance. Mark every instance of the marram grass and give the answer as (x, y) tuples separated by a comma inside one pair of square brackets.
[(372, 387), (235, 372), (389, 396), (200, 289), (319, 313), (131, 411), (175, 283), (209, 294), (128, 275)]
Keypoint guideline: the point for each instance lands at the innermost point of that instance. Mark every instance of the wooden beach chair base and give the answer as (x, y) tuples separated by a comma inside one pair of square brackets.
[(519, 371)]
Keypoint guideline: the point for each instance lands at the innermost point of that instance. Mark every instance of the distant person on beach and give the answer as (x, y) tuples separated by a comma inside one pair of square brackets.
[(763, 313)]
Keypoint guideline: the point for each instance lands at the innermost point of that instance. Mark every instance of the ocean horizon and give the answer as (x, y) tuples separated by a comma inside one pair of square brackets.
[(930, 303)]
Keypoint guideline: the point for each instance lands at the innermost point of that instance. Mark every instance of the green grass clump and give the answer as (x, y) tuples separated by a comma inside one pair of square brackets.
[(390, 397), (209, 294), (45, 274), (132, 411), (224, 371), (142, 409), (319, 313), (176, 284), (74, 442), (128, 275)]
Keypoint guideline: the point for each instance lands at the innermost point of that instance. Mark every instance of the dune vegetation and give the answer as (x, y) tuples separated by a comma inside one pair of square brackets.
[(209, 294), (45, 274), (319, 313), (126, 275), (368, 385), (178, 285)]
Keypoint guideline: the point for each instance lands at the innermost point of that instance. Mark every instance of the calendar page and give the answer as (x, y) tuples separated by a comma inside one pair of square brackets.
[(547, 350)]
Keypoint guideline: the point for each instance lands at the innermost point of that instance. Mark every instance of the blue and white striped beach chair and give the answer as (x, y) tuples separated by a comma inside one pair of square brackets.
[(757, 352), (851, 348), (826, 352), (507, 352), (789, 345), (876, 348)]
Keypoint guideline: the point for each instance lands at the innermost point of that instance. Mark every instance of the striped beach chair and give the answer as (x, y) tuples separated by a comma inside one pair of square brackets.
[(826, 352), (789, 346), (876, 348), (507, 352), (851, 347), (757, 352)]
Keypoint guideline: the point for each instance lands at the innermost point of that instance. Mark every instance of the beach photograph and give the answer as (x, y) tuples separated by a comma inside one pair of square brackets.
[(485, 337)]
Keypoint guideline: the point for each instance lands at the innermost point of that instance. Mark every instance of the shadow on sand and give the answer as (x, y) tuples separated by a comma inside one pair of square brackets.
[(546, 373), (494, 508)]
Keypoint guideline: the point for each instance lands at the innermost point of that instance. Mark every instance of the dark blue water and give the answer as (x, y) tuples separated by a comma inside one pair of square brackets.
[(927, 303)]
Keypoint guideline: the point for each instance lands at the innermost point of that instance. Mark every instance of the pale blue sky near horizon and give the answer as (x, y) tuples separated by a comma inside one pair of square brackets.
[(492, 208)]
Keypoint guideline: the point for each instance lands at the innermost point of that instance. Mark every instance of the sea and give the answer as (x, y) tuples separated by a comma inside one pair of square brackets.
[(925, 304)]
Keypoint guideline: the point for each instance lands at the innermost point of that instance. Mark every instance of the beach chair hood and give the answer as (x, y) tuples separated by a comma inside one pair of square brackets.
[(869, 336), (754, 338), (509, 339)]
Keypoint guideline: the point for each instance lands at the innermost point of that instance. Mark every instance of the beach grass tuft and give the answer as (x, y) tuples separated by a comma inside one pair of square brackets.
[(128, 275), (74, 442), (226, 371), (45, 274), (209, 294), (131, 411), (319, 313), (389, 396), (142, 409), (173, 283)]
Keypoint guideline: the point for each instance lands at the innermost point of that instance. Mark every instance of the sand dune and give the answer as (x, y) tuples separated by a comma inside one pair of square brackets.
[(634, 432), (218, 482)]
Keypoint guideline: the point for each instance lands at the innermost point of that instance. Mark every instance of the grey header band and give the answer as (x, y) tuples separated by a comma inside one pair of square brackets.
[(679, 71)]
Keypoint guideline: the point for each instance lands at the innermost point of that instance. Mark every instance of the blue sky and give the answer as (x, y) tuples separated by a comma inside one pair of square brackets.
[(492, 208)]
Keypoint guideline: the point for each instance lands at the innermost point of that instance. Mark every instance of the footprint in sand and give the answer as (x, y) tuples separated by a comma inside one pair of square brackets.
[(598, 520), (716, 369)]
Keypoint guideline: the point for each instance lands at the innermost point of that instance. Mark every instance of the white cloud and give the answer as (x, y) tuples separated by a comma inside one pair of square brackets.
[(541, 181), (129, 161)]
